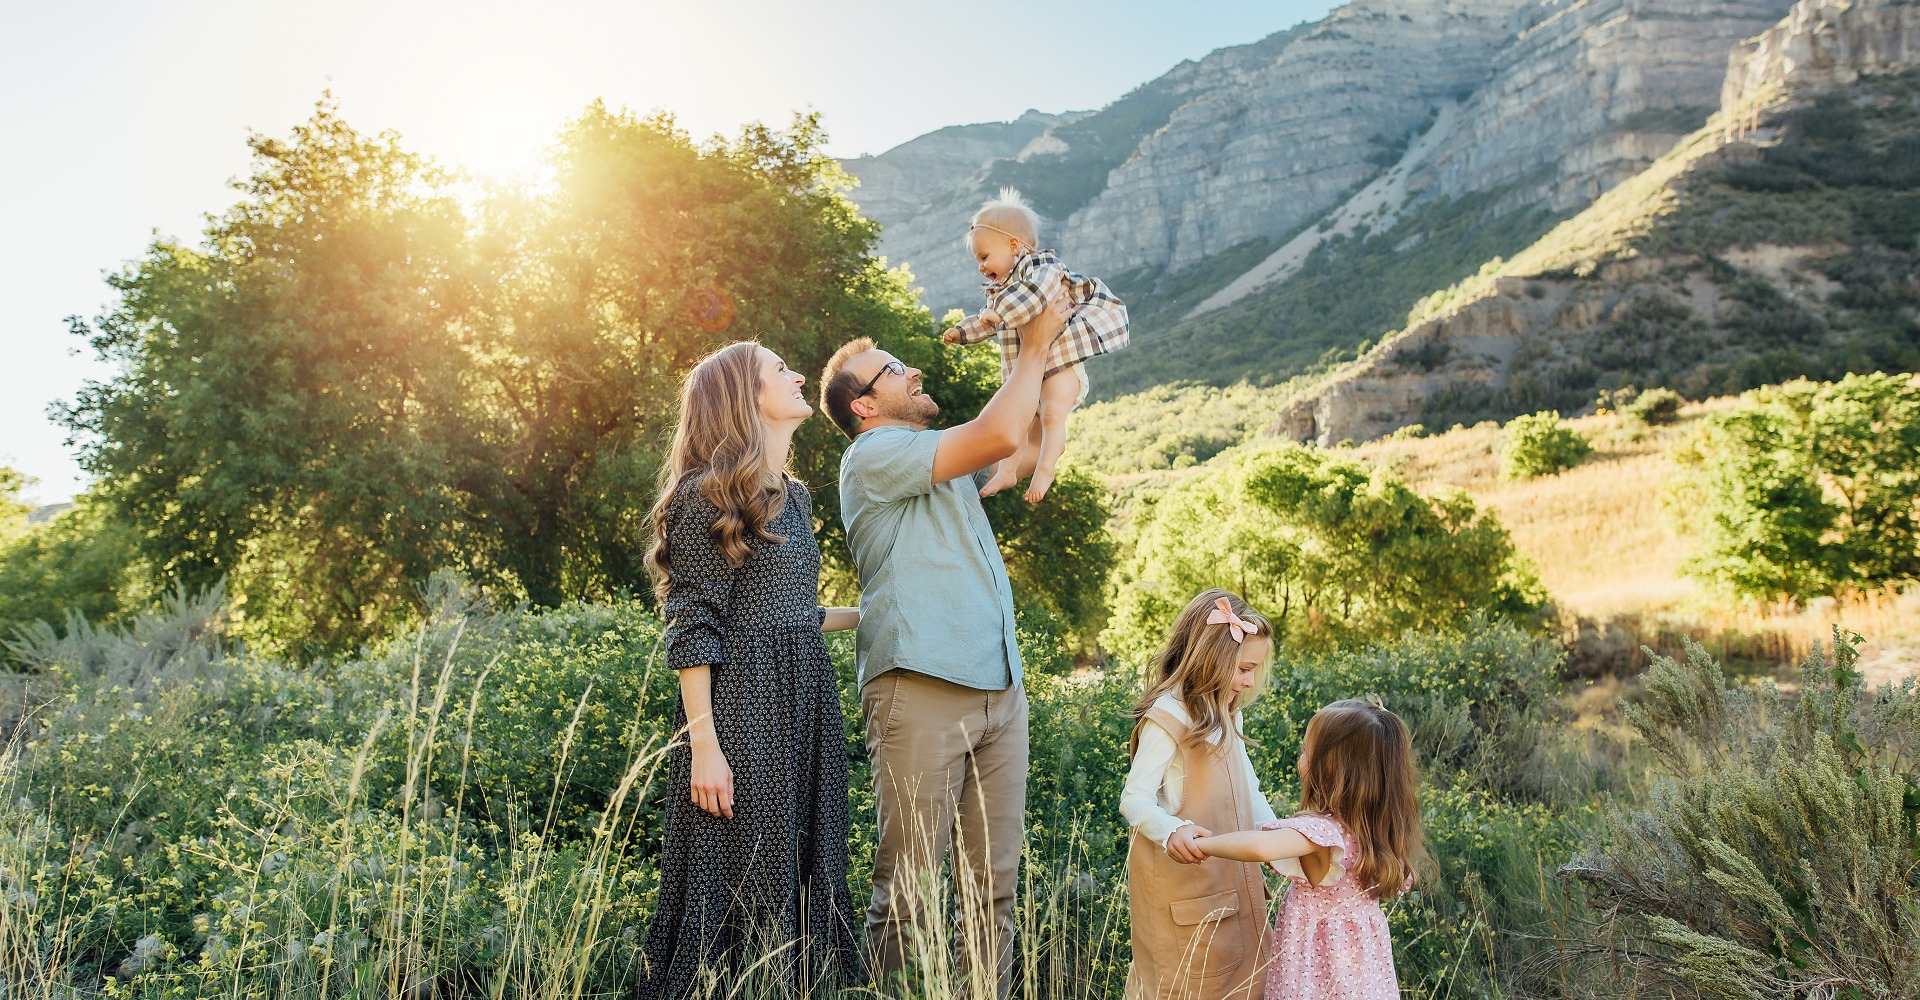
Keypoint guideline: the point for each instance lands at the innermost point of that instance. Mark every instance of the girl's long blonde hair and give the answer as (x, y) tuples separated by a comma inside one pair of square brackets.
[(1357, 766), (721, 446), (1197, 666)]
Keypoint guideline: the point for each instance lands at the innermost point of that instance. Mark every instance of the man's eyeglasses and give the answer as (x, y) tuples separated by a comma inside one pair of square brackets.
[(896, 367)]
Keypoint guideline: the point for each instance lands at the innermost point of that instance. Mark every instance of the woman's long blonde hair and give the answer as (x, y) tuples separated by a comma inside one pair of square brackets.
[(1357, 766), (720, 445), (1197, 666)]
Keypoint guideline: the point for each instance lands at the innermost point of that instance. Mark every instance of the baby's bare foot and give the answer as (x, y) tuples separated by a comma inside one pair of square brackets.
[(1037, 486), (1003, 477)]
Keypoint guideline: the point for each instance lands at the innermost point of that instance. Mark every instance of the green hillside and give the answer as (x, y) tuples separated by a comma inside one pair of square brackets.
[(1788, 252)]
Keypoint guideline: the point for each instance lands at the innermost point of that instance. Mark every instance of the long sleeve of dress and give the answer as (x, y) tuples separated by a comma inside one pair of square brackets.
[(1140, 798), (700, 583), (1262, 809)]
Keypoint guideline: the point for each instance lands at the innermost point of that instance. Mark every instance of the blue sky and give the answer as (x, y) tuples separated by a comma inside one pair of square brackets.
[(121, 119)]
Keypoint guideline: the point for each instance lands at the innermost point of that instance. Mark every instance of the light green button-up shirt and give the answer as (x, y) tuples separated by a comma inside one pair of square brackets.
[(934, 596)]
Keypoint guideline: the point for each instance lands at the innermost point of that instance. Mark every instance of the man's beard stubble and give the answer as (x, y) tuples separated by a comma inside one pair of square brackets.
[(914, 409)]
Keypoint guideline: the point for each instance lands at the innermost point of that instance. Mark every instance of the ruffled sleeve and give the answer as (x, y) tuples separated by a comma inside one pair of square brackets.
[(700, 583), (1321, 831)]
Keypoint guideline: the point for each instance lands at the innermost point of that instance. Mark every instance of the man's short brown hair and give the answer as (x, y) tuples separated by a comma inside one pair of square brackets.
[(838, 386)]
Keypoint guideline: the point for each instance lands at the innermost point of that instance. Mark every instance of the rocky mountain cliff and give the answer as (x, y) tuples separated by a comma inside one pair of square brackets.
[(1778, 241), (1210, 168)]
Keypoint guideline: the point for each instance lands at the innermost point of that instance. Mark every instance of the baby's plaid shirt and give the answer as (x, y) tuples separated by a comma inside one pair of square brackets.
[(1098, 325)]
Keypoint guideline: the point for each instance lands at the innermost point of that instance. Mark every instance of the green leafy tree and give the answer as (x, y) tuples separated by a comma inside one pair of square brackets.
[(1331, 549), (81, 562), (1808, 487), (1538, 444), (13, 513), (352, 382)]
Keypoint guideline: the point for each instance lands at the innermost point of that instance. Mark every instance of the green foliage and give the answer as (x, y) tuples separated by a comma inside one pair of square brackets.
[(1315, 319), (1170, 426), (1050, 547), (1540, 445), (472, 808), (13, 513), (1808, 487), (80, 562), (351, 382), (1328, 548), (1775, 857), (1655, 407)]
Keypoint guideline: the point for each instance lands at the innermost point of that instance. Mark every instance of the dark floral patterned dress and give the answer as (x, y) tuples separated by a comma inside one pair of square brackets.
[(774, 875)]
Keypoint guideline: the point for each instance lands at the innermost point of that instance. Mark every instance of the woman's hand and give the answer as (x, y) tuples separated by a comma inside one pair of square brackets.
[(712, 779), (839, 619), (1181, 846)]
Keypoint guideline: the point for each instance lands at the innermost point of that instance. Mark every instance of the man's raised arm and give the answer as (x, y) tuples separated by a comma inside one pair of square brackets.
[(995, 434)]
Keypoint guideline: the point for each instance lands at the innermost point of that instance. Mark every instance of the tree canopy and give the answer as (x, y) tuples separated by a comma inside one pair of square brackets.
[(356, 378), (1329, 549), (1807, 488)]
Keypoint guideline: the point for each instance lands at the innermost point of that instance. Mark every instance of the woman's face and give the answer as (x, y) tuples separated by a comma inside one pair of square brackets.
[(781, 401)]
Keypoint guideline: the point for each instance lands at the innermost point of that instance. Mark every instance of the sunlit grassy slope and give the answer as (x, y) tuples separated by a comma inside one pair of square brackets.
[(1612, 553)]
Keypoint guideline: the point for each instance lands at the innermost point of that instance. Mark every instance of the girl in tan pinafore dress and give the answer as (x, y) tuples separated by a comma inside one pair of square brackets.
[(1199, 926)]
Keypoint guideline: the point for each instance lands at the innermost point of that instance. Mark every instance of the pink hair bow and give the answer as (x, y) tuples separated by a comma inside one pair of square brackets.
[(1222, 614)]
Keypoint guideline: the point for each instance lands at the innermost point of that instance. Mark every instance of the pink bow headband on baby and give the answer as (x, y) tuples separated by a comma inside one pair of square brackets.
[(1222, 614)]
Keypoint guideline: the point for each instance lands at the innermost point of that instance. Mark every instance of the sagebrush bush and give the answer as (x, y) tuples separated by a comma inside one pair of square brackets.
[(1776, 857), (1655, 406), (1538, 444)]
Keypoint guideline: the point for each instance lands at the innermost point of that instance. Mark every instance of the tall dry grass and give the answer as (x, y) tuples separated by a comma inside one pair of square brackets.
[(1611, 552)]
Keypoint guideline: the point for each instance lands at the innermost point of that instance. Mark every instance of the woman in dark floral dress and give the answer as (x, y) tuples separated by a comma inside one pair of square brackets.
[(754, 870)]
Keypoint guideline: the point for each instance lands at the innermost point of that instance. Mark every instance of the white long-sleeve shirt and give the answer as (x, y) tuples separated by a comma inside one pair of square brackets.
[(1152, 796)]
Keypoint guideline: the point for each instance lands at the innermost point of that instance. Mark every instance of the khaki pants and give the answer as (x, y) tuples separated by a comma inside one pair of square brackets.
[(949, 768)]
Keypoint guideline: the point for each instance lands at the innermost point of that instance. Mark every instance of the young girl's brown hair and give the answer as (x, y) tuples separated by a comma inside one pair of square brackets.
[(1356, 765), (1198, 661)]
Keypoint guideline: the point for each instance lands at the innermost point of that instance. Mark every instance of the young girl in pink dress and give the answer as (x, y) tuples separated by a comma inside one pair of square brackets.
[(1353, 844)]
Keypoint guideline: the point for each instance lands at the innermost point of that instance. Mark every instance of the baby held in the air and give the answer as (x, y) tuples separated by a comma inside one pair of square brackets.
[(1021, 279)]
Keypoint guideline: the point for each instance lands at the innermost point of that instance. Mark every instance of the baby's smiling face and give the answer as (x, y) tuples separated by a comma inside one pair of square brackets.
[(993, 252)]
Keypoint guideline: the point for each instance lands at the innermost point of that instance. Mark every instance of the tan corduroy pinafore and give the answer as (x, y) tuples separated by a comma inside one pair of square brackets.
[(1199, 931)]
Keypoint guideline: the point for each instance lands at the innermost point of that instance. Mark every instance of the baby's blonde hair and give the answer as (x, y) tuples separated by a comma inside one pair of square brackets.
[(1008, 215)]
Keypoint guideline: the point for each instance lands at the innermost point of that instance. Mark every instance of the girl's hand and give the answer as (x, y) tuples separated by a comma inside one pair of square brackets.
[(989, 316), (1181, 846), (712, 779)]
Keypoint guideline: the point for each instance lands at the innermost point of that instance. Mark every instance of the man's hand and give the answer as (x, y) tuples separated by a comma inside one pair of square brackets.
[(1181, 846), (952, 336)]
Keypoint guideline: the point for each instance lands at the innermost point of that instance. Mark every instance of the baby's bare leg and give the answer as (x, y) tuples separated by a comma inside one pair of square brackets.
[(1058, 396), (1015, 467)]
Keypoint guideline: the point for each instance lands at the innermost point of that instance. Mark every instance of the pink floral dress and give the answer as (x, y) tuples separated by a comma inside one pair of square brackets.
[(1330, 940)]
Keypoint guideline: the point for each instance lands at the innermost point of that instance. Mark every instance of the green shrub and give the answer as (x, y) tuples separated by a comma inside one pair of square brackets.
[(1655, 406), (1807, 487), (1776, 856), (1330, 549), (1540, 445)]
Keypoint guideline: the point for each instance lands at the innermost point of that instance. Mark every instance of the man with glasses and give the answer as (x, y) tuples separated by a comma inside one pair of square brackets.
[(946, 713)]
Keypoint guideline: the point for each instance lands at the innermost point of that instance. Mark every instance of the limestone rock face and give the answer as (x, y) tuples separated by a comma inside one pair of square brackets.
[(1270, 154), (1559, 98), (1534, 309), (922, 192), (898, 183), (1823, 43), (1588, 92)]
